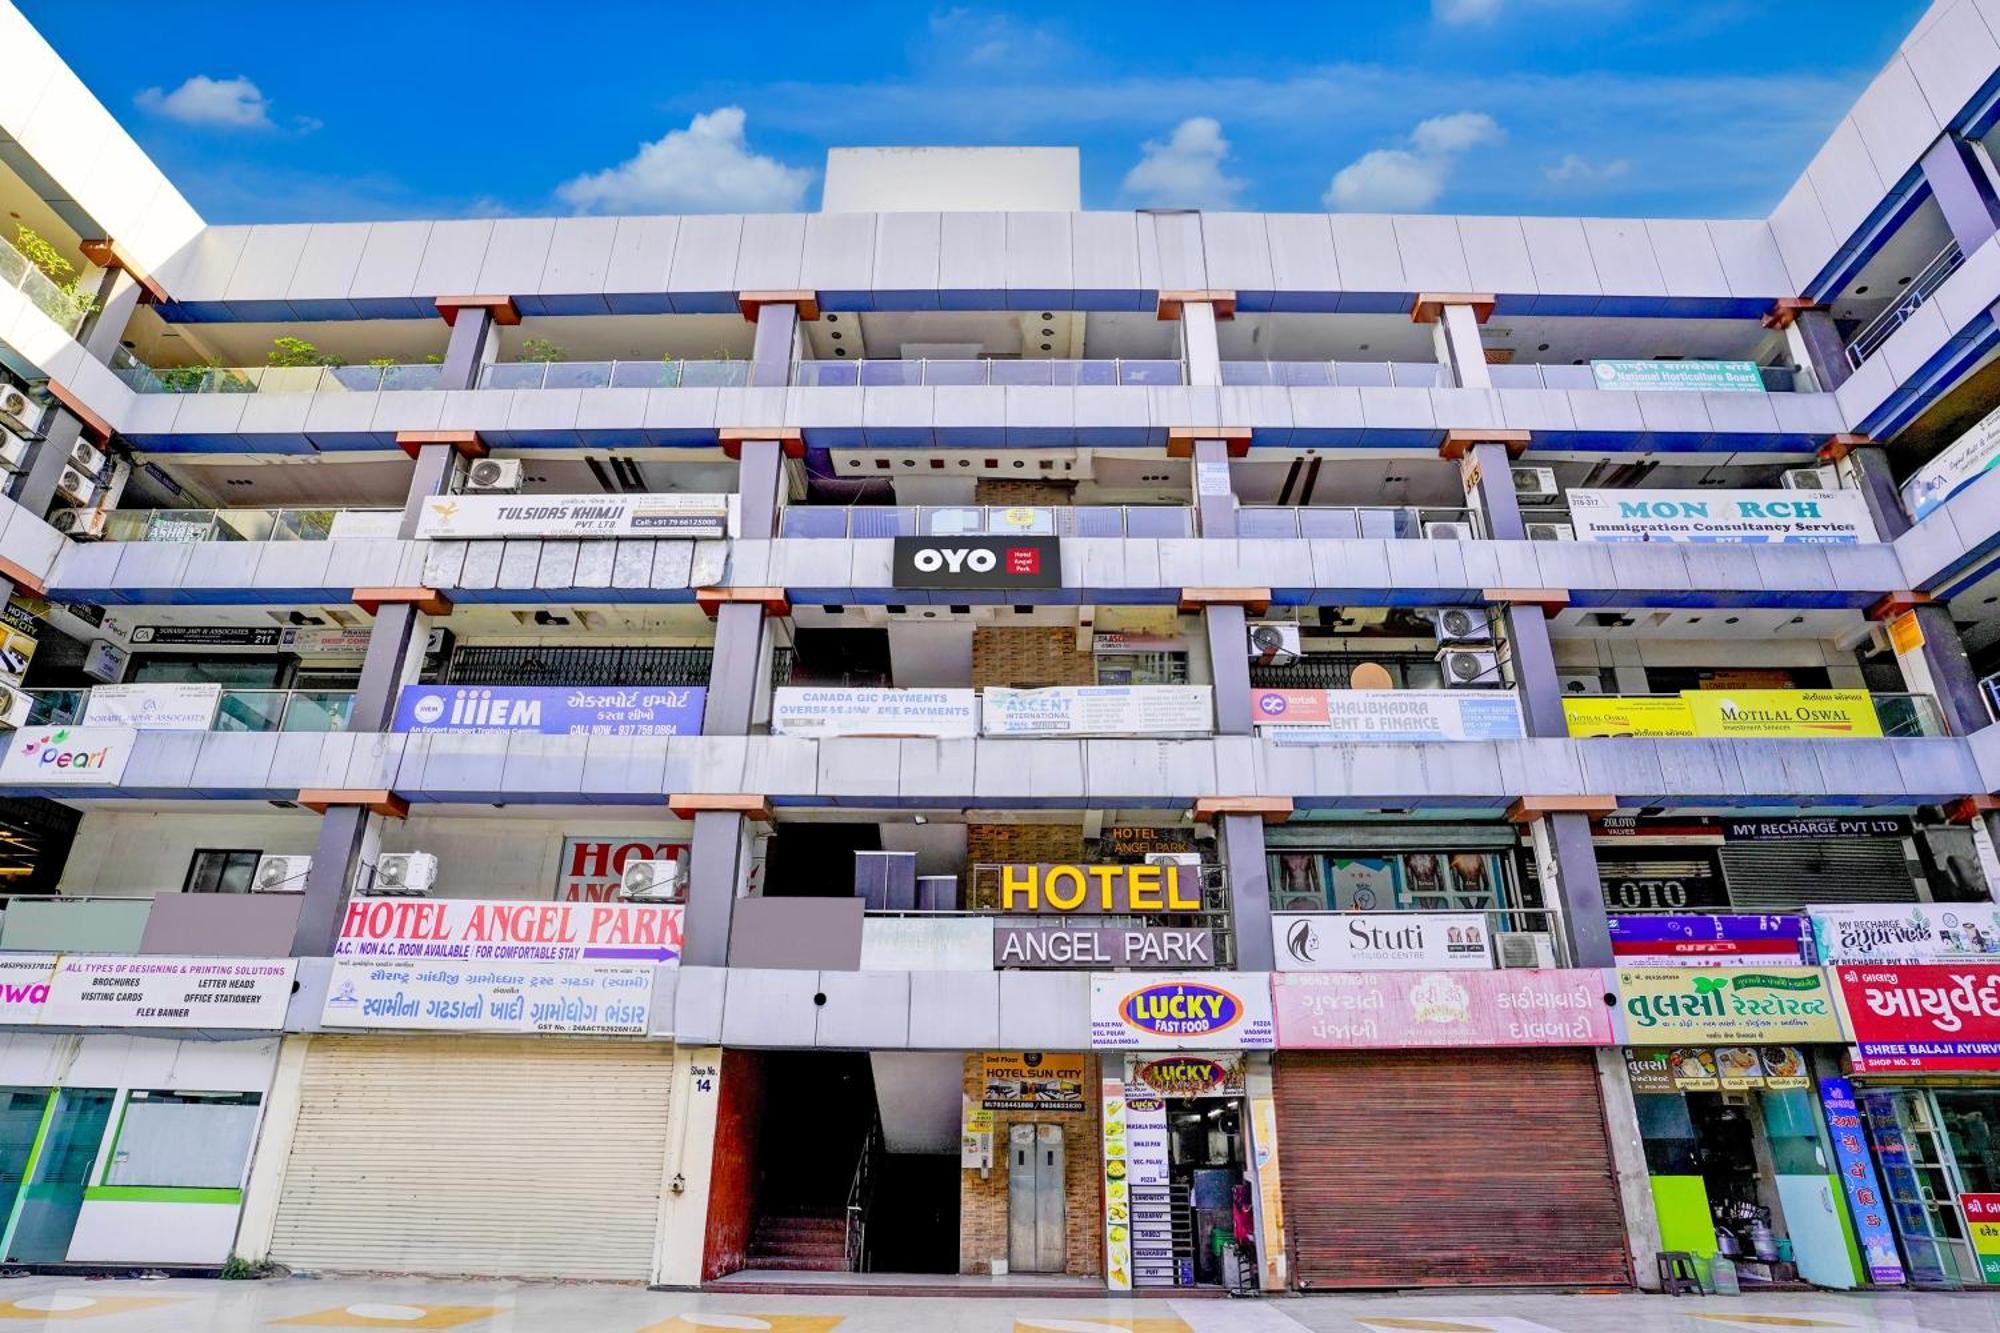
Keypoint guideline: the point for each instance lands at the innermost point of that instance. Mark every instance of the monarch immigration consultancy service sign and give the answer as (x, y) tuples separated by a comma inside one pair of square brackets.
[(1163, 1012), (552, 710), (1736, 1006), (1838, 518)]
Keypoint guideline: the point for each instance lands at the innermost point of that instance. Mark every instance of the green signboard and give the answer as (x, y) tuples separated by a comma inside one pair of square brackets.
[(1686, 376)]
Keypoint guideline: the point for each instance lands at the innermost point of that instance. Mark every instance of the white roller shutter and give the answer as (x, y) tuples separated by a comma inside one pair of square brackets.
[(516, 1157)]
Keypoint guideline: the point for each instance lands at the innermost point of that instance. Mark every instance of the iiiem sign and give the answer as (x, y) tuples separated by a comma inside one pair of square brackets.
[(977, 562), (1098, 889)]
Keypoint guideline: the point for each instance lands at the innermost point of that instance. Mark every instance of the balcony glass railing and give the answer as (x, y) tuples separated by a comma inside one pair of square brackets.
[(47, 296), (1317, 522), (250, 525), (918, 371), (1911, 299), (1430, 375), (236, 710), (279, 379), (661, 374)]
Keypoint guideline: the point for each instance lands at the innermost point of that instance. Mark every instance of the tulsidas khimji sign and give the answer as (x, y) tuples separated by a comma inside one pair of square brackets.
[(1685, 1006), (1212, 1010)]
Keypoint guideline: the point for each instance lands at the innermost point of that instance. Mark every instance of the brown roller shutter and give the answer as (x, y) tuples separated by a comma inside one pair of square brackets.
[(1447, 1168)]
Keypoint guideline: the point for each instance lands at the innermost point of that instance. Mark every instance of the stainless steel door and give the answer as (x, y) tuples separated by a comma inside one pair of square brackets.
[(1035, 1164), (1021, 1199)]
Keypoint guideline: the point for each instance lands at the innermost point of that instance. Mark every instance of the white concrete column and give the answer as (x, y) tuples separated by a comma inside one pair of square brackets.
[(682, 1236), (1628, 1159), (1455, 318)]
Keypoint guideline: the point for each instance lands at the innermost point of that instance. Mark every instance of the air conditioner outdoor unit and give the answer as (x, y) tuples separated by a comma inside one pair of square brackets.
[(1551, 532), (1524, 948), (84, 525), (1448, 532), (280, 874), (1534, 484), (1469, 666), (15, 705), (18, 428), (1811, 479), (1579, 682), (650, 881), (404, 874), (1462, 624), (76, 487), (13, 452), (15, 403), (1274, 643), (87, 458), (494, 476)]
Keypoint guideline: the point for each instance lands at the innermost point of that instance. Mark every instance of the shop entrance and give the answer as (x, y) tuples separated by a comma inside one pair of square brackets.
[(1213, 1236), (1184, 1186)]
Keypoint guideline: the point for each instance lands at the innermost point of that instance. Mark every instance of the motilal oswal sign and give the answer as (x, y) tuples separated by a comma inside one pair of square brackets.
[(978, 562)]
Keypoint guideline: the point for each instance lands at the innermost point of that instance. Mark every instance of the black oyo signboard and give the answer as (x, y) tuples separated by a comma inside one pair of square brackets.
[(978, 562)]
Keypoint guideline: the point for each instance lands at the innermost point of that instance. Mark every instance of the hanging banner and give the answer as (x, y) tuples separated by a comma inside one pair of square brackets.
[(1941, 1017), (69, 756), (1380, 941), (552, 710), (1613, 715), (1962, 462), (1755, 517), (1033, 1081), (101, 990), (1865, 1204), (1331, 1011), (1907, 932), (163, 707), (1682, 376), (1313, 717), (592, 868), (1211, 1010), (1674, 939), (1098, 710), (1692, 1006), (817, 713), (511, 930), (1798, 714), (593, 999), (459, 517)]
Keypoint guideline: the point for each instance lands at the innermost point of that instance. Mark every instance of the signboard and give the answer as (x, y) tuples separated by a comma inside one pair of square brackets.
[(365, 525), (809, 711), (20, 632), (1099, 889), (975, 1140), (1684, 376), (977, 562), (1675, 939), (1032, 1081), (1799, 714), (552, 710), (1153, 947), (1815, 827), (1098, 710), (162, 707), (24, 986), (1332, 1011), (1705, 516), (1219, 1010), (1117, 1189), (316, 641), (100, 990), (1138, 840), (1982, 1228), (512, 930), (205, 636), (1726, 1069), (458, 517), (105, 661), (595, 999), (1660, 878), (69, 756), (1907, 932), (592, 868), (1188, 1075), (1380, 941), (1691, 1006), (1943, 1017), (1611, 715), (1865, 1204), (1962, 462), (1319, 716)]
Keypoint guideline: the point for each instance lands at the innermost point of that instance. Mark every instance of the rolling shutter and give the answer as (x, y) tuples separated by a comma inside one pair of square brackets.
[(1447, 1168), (1786, 876), (522, 1157)]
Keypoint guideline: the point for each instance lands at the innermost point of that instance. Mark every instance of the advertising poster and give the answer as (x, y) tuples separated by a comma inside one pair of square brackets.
[(1737, 1006), (1098, 710), (1218, 1075), (1117, 1188), (99, 990), (975, 1136), (1839, 518), (1363, 883), (1611, 715), (1942, 1017), (1331, 1011), (1210, 1010), (1908, 1194), (1033, 1081), (592, 868), (163, 707), (584, 999), (1865, 1204), (69, 756), (20, 633), (1798, 714), (552, 710), (1982, 1228), (1312, 717), (1681, 939), (1380, 941), (810, 711), (1962, 462), (1683, 376), (1907, 932), (459, 517), (510, 930)]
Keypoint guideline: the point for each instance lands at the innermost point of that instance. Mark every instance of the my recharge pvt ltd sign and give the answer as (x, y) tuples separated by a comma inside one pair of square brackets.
[(1753, 517), (977, 562)]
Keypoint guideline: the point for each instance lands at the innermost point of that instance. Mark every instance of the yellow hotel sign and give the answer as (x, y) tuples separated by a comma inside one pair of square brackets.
[(1098, 889)]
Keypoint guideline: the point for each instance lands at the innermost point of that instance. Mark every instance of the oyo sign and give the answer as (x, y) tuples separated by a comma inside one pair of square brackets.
[(977, 562)]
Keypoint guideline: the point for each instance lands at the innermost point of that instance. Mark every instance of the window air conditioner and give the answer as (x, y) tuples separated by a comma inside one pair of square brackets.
[(1534, 484), (1448, 532), (491, 476), (87, 458), (280, 874), (1469, 666), (1524, 948), (404, 874), (1811, 479), (650, 881), (76, 487), (1551, 532), (1274, 643), (1462, 624), (85, 525)]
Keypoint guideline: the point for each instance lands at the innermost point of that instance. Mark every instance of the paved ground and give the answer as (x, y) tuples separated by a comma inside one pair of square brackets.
[(180, 1306)]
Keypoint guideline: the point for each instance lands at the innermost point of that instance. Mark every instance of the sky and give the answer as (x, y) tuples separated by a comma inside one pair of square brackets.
[(435, 108)]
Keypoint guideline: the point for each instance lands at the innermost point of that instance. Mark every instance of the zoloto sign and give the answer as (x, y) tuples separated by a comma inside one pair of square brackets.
[(978, 562)]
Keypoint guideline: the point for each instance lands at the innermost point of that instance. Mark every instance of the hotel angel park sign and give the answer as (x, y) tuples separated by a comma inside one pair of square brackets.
[(1093, 890)]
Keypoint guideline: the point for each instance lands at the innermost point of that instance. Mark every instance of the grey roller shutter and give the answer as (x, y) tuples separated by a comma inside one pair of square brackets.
[(1786, 876)]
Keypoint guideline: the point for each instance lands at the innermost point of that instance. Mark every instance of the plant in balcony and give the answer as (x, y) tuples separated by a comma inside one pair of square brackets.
[(58, 270), (184, 379), (295, 353), (542, 350)]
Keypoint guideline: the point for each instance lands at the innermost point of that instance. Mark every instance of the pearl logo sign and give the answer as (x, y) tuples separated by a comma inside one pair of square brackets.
[(69, 756), (977, 562)]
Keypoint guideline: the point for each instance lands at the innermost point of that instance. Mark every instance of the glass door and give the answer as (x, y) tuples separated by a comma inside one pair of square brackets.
[(21, 1112), (59, 1168)]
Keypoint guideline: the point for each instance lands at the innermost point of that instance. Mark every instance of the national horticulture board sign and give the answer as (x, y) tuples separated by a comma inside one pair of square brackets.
[(1685, 376)]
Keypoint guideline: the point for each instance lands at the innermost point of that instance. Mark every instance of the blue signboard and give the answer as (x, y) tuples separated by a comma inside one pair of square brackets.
[(552, 710), (1670, 939)]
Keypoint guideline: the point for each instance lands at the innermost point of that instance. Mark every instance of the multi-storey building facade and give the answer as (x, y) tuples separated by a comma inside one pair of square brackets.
[(971, 735)]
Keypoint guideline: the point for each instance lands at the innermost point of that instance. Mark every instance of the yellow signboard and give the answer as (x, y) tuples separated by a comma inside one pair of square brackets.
[(1098, 889), (1797, 714), (1609, 715), (1726, 1006)]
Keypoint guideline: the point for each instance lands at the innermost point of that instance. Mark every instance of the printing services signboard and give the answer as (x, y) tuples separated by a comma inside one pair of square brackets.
[(552, 710), (510, 930), (818, 713), (461, 517), (69, 756), (1322, 716), (167, 706), (1334, 1011), (1163, 1012), (1098, 710), (1936, 1017), (1907, 932), (1738, 1006), (949, 562), (1962, 462), (573, 999), (1684, 376), (100, 990), (1710, 939), (1763, 516), (1381, 941)]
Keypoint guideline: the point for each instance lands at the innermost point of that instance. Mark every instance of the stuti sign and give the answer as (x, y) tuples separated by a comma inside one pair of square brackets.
[(479, 929), (1940, 1017), (1098, 889), (1690, 1006), (1227, 1010)]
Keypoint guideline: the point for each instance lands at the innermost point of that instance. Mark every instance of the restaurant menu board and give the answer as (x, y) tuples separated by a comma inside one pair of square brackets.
[(1149, 1211), (1721, 1069), (1117, 1188)]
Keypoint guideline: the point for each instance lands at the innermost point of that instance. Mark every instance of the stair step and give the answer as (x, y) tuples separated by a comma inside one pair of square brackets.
[(789, 1264)]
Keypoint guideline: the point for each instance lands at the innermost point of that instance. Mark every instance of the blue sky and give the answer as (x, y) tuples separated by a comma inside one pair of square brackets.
[(268, 113)]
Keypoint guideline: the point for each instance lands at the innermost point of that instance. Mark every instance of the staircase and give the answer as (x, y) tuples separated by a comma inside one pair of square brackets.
[(799, 1243)]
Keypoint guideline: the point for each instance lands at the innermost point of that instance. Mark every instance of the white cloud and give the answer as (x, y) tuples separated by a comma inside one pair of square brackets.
[(1185, 171), (1405, 179), (1576, 169), (235, 104), (1461, 13), (705, 168), (974, 37)]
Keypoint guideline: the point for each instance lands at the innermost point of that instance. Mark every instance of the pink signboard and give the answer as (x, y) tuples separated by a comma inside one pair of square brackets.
[(1376, 1010)]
